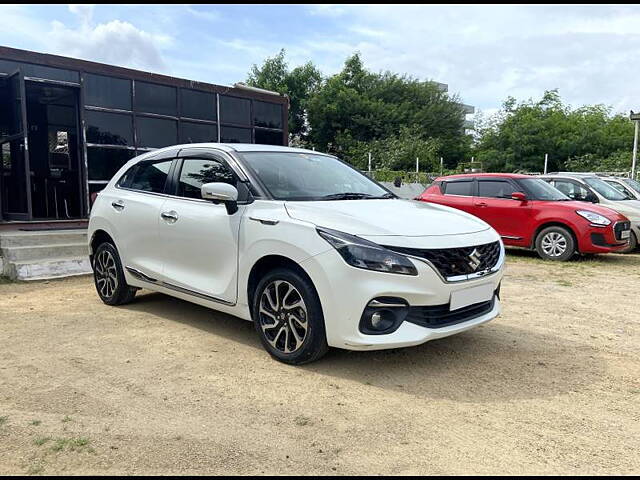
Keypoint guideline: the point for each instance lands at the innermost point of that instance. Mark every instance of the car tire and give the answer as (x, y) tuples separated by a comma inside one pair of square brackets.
[(633, 244), (555, 243), (108, 276), (288, 317)]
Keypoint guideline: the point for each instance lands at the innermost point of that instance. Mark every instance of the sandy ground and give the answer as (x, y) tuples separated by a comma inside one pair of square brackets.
[(166, 387)]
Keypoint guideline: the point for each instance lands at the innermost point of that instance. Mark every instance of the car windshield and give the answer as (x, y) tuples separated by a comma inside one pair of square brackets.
[(309, 176), (604, 189), (633, 184), (538, 189)]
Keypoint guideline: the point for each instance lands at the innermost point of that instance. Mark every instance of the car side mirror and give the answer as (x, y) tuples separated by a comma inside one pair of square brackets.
[(521, 197), (221, 192)]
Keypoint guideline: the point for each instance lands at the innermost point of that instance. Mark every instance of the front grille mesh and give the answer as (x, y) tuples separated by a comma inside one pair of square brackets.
[(455, 262), (439, 316), (620, 227)]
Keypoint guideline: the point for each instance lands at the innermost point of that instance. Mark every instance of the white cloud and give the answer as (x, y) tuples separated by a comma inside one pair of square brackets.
[(117, 42)]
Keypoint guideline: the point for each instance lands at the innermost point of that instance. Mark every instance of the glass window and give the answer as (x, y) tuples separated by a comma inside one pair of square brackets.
[(108, 92), (109, 128), (495, 189), (621, 188), (195, 104), (269, 137), (103, 163), (148, 176), (235, 135), (306, 176), (235, 110), (40, 71), (154, 98), (571, 189), (458, 188), (191, 132), (267, 114), (196, 172), (156, 132), (538, 189), (604, 189)]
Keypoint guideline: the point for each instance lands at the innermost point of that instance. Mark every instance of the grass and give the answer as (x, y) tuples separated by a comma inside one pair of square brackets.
[(66, 419), (41, 441), (301, 420), (564, 283), (35, 469), (3, 420), (71, 444), (36, 422)]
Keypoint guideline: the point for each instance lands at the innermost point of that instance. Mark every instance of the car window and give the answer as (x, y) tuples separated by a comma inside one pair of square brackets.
[(621, 188), (495, 189), (458, 188), (197, 172), (148, 176), (604, 189), (571, 189)]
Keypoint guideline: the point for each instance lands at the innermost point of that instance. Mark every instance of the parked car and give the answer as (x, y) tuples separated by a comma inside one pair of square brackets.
[(588, 187), (628, 186), (528, 212), (315, 253)]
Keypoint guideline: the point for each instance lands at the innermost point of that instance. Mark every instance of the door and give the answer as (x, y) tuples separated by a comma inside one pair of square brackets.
[(200, 237), (456, 194), (15, 178), (134, 210), (494, 205)]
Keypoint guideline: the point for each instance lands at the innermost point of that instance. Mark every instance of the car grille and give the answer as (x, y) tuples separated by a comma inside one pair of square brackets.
[(621, 227), (457, 262), (439, 316)]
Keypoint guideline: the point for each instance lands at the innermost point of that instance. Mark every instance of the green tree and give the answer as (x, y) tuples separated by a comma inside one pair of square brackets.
[(356, 106), (517, 137), (299, 84)]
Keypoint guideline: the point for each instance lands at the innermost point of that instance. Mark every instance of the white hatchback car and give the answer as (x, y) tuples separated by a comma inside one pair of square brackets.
[(308, 248)]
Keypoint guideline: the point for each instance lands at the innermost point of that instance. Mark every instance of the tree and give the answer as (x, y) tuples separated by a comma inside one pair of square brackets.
[(299, 84), (517, 137), (357, 106)]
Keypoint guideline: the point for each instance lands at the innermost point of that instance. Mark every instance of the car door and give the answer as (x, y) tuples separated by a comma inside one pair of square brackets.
[(134, 208), (200, 237), (457, 193), (495, 206)]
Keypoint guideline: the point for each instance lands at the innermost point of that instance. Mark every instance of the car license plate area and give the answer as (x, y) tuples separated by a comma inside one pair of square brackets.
[(625, 234), (469, 296)]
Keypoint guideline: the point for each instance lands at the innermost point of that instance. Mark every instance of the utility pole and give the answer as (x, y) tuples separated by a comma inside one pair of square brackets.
[(441, 166), (546, 161), (369, 162), (635, 117)]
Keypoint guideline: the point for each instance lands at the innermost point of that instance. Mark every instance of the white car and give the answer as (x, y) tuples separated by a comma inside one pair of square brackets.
[(312, 251)]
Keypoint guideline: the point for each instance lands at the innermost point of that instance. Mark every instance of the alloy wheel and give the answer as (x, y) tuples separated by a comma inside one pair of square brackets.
[(283, 316), (106, 273), (554, 244)]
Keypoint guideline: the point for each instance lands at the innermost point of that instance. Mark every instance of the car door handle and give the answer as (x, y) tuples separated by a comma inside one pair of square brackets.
[(118, 205), (170, 216), (481, 204)]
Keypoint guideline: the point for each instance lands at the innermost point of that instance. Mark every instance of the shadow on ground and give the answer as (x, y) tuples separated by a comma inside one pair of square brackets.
[(495, 362)]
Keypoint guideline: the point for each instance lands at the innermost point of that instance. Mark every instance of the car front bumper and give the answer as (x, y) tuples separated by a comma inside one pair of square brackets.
[(345, 291)]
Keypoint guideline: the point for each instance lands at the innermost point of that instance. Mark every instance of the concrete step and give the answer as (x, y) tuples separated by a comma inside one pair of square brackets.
[(48, 268), (20, 238), (43, 251)]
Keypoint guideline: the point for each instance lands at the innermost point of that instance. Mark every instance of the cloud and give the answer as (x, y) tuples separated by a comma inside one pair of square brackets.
[(116, 42)]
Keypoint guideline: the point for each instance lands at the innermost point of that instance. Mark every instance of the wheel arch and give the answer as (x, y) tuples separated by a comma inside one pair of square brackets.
[(266, 264)]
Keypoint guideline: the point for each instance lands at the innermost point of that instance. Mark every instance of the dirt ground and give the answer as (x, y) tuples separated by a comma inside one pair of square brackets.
[(162, 386)]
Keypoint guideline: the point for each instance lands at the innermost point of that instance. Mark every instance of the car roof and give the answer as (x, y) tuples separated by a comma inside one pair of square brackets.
[(240, 147), (480, 175)]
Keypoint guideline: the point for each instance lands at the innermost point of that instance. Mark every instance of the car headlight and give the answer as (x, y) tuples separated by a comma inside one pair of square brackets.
[(594, 218), (362, 253)]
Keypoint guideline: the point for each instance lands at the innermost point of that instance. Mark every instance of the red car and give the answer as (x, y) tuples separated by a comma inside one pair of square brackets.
[(528, 212)]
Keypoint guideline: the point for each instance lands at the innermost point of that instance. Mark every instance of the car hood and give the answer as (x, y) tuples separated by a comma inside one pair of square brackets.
[(387, 217), (604, 210), (628, 208)]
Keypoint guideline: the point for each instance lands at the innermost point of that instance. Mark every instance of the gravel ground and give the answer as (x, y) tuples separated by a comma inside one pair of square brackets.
[(162, 386)]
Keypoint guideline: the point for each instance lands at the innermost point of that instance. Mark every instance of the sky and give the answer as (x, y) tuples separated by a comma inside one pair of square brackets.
[(485, 53)]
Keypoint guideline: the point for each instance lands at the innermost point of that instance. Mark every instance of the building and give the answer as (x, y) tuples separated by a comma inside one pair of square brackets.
[(67, 125)]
